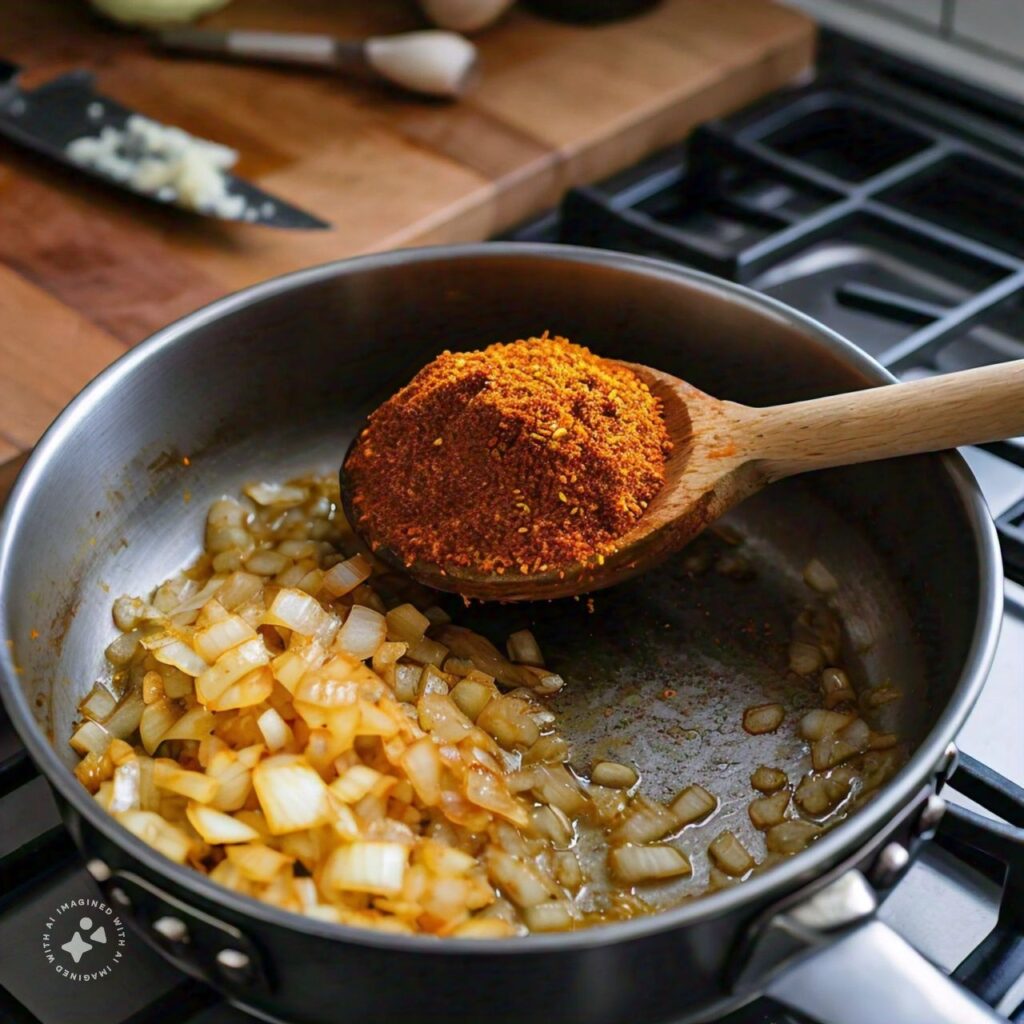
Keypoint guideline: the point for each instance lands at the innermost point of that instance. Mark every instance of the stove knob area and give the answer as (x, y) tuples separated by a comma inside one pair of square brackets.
[(891, 863), (173, 929), (931, 814), (234, 965)]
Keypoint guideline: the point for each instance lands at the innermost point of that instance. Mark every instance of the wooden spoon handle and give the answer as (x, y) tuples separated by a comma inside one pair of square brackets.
[(970, 407)]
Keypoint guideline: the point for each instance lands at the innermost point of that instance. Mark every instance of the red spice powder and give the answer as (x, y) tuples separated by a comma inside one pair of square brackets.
[(516, 458)]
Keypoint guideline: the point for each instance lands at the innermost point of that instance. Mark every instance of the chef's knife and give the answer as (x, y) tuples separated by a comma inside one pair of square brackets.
[(49, 118)]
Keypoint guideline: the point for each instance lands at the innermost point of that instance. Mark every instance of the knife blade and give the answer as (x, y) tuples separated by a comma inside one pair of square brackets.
[(49, 118)]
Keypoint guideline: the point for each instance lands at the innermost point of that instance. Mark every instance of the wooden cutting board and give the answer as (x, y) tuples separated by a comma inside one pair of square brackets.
[(86, 271)]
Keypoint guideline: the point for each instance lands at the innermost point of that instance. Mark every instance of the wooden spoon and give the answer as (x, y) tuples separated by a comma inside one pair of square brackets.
[(724, 452)]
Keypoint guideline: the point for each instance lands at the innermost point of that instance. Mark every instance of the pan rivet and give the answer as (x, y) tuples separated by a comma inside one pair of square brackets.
[(99, 869), (234, 964), (118, 895), (889, 866), (947, 763), (931, 814), (171, 928)]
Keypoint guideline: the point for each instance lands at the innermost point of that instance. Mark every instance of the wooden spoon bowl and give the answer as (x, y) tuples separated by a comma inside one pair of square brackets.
[(724, 452)]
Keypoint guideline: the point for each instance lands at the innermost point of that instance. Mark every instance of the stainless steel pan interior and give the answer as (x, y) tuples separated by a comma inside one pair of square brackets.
[(272, 383)]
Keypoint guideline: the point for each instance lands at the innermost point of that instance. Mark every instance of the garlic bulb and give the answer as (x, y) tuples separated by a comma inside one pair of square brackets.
[(464, 15), (156, 12)]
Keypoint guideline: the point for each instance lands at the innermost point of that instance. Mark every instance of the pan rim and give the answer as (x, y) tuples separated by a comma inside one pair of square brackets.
[(786, 877)]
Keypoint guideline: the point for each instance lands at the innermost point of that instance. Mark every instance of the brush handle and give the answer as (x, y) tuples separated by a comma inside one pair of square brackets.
[(433, 62), (970, 407)]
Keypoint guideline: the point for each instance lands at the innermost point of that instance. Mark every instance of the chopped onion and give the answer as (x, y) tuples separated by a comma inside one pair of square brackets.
[(291, 794), (763, 718), (363, 866), (148, 826), (549, 747), (730, 855), (805, 659), (633, 864), (275, 729), (768, 780), (523, 649), (230, 667), (276, 494), (836, 688), (178, 654), (422, 765), (220, 637), (156, 721), (608, 803), (521, 882), (196, 724), (253, 688), (464, 643), (446, 861), (486, 790), (126, 716), (818, 723), (613, 774), (768, 811), (91, 738), (428, 652), (363, 632), (553, 824), (238, 589), (472, 695), (354, 783), (440, 716), (98, 704), (257, 862), (296, 610), (264, 562), (552, 784), (407, 682), (217, 827), (407, 624), (568, 872), (130, 612), (645, 820), (692, 804), (344, 577), (509, 721), (817, 795), (120, 651), (169, 775), (555, 916), (126, 791), (818, 578), (791, 836)]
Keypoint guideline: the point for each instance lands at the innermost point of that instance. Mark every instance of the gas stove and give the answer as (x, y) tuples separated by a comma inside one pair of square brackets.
[(888, 203)]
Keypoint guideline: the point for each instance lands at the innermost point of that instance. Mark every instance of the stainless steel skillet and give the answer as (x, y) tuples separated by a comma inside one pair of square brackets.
[(273, 380)]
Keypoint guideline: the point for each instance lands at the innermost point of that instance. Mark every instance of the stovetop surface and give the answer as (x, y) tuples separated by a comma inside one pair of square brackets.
[(885, 202)]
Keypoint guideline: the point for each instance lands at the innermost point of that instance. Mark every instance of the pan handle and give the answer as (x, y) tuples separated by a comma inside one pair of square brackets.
[(871, 966)]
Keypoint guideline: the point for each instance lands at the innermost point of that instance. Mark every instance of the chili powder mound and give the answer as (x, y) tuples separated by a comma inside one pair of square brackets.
[(515, 458)]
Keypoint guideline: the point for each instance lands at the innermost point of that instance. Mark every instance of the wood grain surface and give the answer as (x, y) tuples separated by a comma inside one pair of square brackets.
[(86, 271)]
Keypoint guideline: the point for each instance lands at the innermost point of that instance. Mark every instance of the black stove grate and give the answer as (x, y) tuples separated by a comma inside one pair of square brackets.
[(909, 224)]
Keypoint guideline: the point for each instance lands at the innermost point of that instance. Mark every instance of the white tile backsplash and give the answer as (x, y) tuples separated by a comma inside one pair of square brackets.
[(980, 41), (998, 24), (927, 11)]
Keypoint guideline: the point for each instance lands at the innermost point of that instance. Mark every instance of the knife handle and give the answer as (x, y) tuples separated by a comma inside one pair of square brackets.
[(278, 47)]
